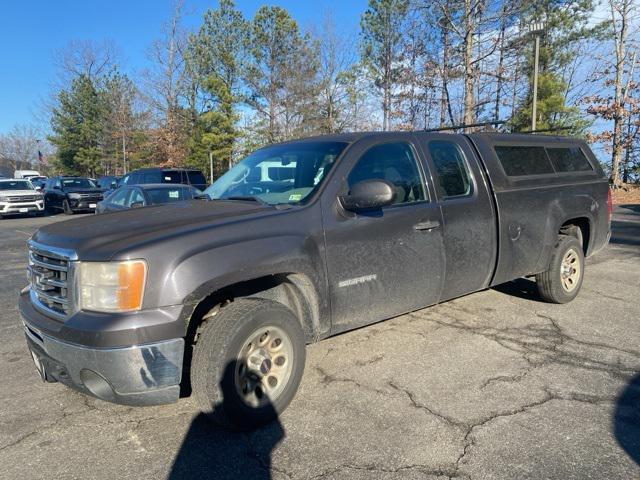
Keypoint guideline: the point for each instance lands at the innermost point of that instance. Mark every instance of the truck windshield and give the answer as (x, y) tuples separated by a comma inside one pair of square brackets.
[(16, 185), (279, 174), (77, 183)]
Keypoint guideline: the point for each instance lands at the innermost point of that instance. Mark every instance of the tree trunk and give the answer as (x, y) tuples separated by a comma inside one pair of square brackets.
[(618, 100), (503, 27), (445, 75), (469, 101)]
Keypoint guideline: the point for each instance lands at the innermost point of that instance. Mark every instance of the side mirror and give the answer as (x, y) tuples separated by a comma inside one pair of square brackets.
[(368, 194), (137, 204)]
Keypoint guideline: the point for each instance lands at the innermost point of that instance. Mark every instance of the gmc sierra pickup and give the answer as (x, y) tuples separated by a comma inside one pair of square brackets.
[(300, 241)]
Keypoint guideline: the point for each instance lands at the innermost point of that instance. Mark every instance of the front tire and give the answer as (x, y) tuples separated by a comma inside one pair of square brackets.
[(248, 363), (66, 208), (563, 279)]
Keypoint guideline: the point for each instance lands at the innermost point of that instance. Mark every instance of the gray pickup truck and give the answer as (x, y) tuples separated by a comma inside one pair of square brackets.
[(300, 241)]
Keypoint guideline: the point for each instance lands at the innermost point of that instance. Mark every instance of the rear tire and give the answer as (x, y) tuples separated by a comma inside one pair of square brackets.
[(248, 363), (66, 208), (563, 279)]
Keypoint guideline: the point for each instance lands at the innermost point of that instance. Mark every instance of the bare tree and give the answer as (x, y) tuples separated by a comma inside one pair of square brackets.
[(84, 57), (21, 146), (335, 59), (621, 11), (165, 90)]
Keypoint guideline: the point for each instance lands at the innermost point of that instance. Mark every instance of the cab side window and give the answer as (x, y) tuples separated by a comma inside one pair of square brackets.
[(396, 163), (120, 197), (136, 197), (453, 178)]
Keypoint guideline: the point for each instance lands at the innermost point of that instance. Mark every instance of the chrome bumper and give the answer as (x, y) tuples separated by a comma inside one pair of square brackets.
[(15, 207), (139, 375)]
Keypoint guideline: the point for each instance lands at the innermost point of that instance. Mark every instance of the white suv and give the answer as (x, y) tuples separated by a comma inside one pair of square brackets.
[(19, 196)]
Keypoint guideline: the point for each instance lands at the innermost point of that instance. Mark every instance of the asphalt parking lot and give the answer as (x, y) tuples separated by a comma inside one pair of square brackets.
[(494, 385)]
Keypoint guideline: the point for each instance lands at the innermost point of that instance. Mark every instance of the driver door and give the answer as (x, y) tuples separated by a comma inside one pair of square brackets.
[(389, 261)]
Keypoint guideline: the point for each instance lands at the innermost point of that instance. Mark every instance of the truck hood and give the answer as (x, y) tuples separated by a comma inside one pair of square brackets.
[(99, 237), (18, 193)]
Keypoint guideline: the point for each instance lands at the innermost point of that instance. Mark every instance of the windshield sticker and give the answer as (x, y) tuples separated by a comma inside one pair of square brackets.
[(174, 194), (295, 197), (357, 281)]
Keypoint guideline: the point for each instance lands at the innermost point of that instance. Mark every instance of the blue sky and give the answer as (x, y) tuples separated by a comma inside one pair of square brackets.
[(31, 31)]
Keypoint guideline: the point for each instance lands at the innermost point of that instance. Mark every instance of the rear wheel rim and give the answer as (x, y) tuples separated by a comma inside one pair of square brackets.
[(264, 366), (570, 270)]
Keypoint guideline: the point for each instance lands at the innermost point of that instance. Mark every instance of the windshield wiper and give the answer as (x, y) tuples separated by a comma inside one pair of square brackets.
[(248, 198)]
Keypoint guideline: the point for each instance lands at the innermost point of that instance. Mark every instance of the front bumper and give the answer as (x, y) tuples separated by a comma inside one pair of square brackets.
[(19, 207), (82, 204), (139, 375), (131, 359)]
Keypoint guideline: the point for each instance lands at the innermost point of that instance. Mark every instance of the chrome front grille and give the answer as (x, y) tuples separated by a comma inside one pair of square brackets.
[(51, 279), (24, 198), (91, 196)]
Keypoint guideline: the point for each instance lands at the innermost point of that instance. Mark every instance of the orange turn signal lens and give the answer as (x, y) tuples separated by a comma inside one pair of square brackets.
[(131, 279)]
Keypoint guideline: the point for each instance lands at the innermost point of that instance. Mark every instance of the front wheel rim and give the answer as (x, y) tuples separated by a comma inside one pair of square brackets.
[(570, 270), (263, 367)]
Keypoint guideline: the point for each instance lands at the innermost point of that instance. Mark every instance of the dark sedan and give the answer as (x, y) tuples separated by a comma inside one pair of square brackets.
[(134, 196)]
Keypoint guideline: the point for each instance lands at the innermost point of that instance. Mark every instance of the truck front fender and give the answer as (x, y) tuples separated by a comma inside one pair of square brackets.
[(204, 273)]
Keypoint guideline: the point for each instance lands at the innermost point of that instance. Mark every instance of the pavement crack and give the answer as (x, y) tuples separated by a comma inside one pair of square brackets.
[(542, 344), (416, 404), (373, 468), (19, 440), (327, 379), (370, 361), (267, 466)]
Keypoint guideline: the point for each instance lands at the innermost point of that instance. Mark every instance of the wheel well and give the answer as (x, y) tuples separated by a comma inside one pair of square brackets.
[(579, 228), (293, 290)]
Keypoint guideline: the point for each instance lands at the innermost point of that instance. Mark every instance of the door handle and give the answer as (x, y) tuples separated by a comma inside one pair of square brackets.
[(428, 225)]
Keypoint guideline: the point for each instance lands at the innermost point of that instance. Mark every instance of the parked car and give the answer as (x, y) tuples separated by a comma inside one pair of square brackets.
[(225, 294), (135, 196), (19, 196), (26, 174), (71, 194), (38, 182), (186, 176), (108, 182)]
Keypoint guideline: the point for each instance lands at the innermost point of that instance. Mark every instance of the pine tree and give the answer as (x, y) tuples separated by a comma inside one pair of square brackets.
[(280, 74), (567, 24), (216, 58), (77, 125), (381, 43)]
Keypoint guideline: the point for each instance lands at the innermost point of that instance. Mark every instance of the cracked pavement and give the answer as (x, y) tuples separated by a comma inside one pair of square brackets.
[(494, 385)]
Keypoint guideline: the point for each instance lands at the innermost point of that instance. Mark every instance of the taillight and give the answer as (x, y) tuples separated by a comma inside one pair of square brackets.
[(609, 205)]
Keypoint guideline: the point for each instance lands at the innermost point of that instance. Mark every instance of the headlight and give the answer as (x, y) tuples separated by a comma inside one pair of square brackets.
[(111, 286), (75, 196)]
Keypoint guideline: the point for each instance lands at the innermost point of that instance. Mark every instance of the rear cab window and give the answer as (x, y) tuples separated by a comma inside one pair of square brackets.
[(520, 161), (452, 171), (569, 159), (171, 176), (196, 177)]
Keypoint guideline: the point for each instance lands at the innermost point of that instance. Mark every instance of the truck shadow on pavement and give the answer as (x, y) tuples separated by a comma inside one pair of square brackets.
[(209, 451), (521, 288), (626, 423)]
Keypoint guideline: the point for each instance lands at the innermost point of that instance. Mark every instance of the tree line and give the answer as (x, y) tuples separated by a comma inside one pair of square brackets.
[(236, 83)]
